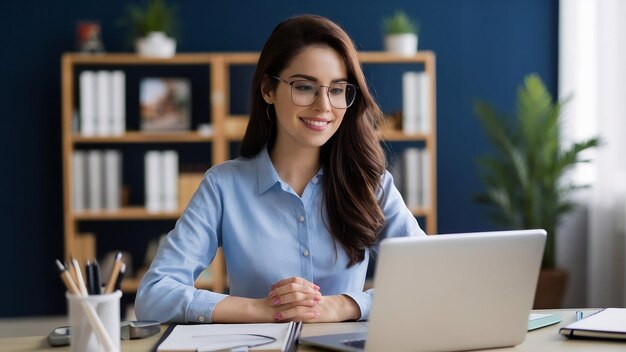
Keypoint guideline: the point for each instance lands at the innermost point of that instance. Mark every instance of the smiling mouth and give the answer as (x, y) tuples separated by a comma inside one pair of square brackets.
[(316, 123)]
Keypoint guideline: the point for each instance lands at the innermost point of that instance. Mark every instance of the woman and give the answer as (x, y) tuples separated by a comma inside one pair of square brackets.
[(299, 212)]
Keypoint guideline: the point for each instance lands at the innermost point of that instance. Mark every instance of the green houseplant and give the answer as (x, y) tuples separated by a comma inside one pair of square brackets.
[(401, 33), (153, 27), (523, 180)]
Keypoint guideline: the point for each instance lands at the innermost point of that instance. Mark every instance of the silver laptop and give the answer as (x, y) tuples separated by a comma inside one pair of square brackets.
[(449, 292)]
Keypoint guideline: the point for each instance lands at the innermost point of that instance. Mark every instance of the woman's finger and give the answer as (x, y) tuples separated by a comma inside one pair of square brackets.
[(296, 297), (296, 280), (299, 313), (290, 288)]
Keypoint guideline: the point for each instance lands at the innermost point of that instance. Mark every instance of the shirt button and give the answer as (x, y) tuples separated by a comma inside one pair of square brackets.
[(301, 218), (305, 253), (201, 318), (315, 180)]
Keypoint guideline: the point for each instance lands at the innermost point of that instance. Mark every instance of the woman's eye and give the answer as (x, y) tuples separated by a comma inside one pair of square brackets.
[(304, 87), (336, 90)]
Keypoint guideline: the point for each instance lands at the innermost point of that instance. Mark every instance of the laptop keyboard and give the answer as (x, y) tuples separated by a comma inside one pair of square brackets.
[(359, 343)]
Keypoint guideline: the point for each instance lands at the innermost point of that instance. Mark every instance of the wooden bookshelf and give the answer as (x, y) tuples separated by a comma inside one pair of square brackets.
[(226, 129)]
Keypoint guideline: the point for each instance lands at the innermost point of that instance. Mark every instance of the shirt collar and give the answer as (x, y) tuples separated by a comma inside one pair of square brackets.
[(267, 175)]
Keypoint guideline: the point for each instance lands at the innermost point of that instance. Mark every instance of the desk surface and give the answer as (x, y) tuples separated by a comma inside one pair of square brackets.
[(544, 339)]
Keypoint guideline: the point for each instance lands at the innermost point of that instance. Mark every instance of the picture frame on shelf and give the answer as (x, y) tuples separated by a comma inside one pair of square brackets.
[(165, 104)]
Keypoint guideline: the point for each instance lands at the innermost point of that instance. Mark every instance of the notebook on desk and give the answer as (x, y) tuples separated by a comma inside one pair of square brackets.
[(449, 292)]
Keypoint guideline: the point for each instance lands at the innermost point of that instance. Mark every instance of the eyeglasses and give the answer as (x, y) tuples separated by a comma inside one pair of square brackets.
[(305, 92)]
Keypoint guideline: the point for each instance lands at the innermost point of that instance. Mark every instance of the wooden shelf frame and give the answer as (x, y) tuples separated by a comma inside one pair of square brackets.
[(227, 128)]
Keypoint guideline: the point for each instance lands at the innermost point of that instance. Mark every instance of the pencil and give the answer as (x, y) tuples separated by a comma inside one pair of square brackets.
[(67, 278), (70, 268), (79, 276), (114, 273)]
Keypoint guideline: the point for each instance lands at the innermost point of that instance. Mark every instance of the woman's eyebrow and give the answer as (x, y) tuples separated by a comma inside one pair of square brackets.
[(311, 78)]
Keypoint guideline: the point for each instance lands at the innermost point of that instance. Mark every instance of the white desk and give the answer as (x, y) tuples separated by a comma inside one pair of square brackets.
[(544, 339)]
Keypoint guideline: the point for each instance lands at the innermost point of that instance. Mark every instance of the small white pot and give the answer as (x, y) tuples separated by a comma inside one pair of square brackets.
[(404, 44), (156, 44)]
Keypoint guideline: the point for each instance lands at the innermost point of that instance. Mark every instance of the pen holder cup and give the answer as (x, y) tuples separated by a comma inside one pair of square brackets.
[(94, 321)]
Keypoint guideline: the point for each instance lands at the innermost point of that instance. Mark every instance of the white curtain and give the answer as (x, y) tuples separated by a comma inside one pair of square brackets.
[(592, 71)]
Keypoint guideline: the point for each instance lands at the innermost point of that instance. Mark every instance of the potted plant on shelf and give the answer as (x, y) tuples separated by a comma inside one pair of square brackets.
[(524, 183), (152, 28), (400, 33)]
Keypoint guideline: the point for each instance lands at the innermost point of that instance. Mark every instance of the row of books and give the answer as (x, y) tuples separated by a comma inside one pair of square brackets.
[(97, 179), (161, 180), (411, 174), (416, 104), (102, 100)]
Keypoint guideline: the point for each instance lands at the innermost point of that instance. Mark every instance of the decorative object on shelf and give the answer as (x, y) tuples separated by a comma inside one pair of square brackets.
[(401, 33), (88, 37), (205, 129), (153, 28), (165, 104), (524, 184)]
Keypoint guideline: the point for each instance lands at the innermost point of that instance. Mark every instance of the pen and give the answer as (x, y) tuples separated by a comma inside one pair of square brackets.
[(579, 315), (118, 282), (91, 286), (96, 277), (114, 273)]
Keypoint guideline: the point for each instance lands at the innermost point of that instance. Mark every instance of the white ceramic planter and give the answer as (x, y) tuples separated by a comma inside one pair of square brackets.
[(403, 44), (156, 44)]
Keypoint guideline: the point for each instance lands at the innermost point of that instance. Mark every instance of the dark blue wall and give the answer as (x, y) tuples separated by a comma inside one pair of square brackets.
[(483, 48)]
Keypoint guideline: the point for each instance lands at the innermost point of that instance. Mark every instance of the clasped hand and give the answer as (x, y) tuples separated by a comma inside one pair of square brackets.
[(292, 299), (295, 299)]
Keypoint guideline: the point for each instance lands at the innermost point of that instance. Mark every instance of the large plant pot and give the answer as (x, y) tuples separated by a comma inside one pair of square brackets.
[(551, 288), (404, 44), (156, 44)]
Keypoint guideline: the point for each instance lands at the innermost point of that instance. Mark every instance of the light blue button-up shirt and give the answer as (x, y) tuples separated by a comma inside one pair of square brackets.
[(267, 232)]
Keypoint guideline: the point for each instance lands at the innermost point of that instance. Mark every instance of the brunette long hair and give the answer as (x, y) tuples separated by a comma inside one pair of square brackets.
[(352, 159)]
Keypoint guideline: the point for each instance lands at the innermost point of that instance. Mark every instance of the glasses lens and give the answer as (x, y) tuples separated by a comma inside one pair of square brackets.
[(342, 95), (304, 93)]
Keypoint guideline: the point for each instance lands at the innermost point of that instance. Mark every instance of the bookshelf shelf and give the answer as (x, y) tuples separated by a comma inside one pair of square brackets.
[(399, 136), (227, 128), (125, 213), (145, 137)]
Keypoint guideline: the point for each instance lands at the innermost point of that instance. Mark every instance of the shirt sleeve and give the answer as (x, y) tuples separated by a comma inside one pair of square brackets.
[(166, 292), (399, 222), (364, 300)]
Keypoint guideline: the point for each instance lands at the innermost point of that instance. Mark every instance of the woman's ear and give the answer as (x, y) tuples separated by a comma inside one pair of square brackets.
[(267, 90)]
